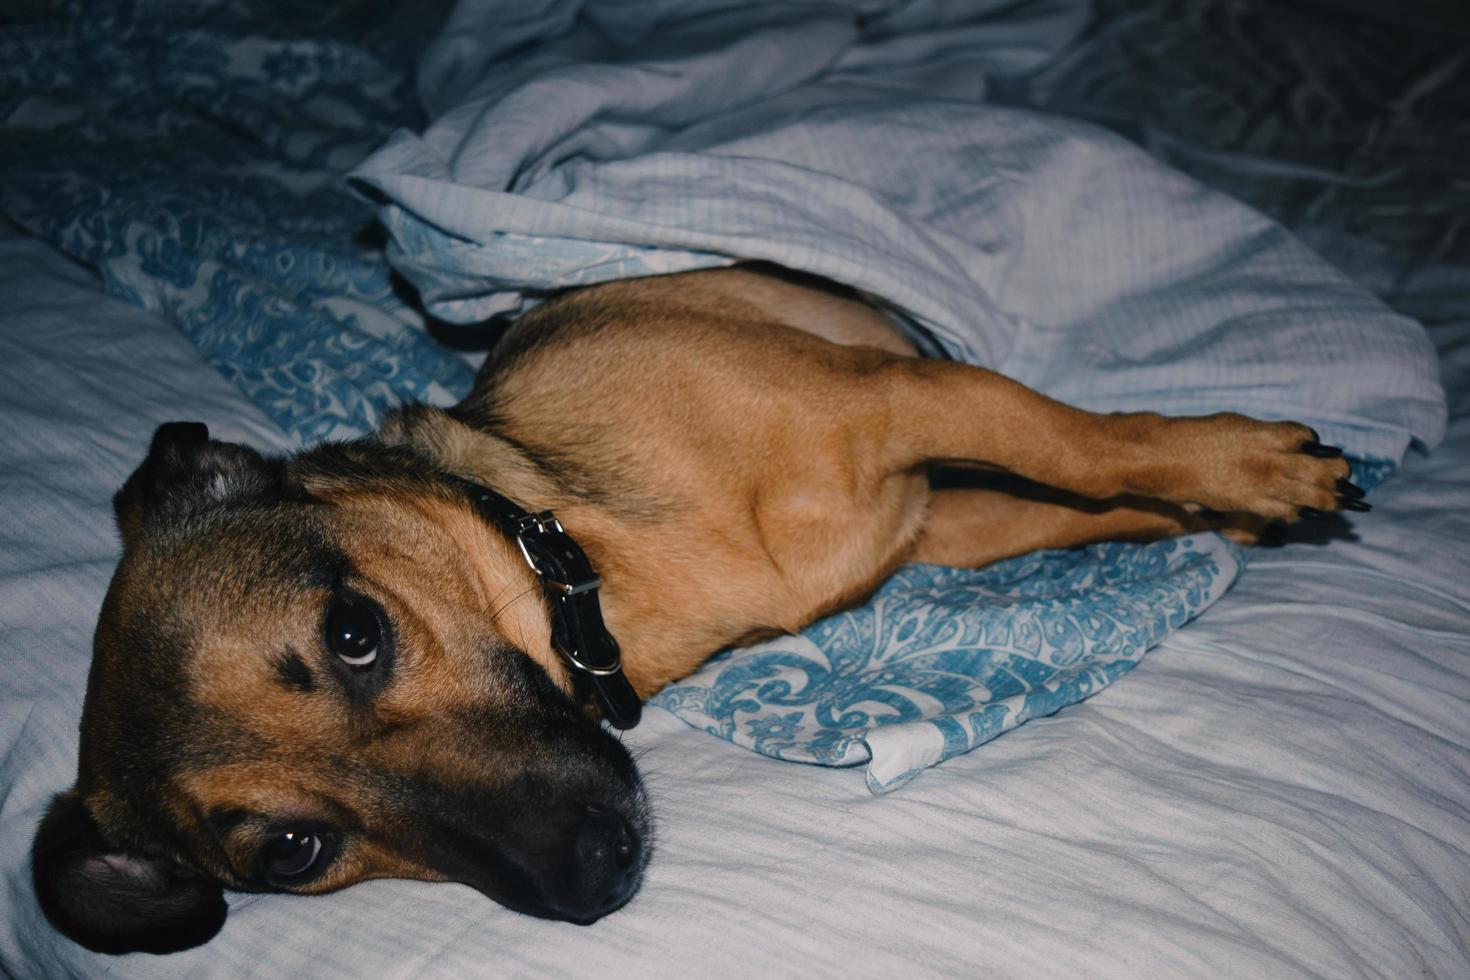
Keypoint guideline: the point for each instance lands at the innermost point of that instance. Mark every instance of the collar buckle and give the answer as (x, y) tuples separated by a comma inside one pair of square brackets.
[(570, 584), (535, 528)]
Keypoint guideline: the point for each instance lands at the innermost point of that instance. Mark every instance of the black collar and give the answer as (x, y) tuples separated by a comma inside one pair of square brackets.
[(577, 630)]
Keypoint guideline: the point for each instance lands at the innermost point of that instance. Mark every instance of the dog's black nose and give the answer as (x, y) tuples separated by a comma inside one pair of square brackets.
[(610, 855)]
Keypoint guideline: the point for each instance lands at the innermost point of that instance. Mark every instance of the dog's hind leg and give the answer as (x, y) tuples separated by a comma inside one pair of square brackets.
[(941, 411), (974, 527)]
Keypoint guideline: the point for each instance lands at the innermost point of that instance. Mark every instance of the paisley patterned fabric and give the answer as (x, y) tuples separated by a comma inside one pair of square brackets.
[(192, 151), (943, 660)]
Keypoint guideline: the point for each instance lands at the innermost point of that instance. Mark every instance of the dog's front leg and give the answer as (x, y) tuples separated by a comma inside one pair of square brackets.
[(941, 411)]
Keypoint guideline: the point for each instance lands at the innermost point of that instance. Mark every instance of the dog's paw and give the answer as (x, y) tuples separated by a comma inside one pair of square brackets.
[(1279, 471)]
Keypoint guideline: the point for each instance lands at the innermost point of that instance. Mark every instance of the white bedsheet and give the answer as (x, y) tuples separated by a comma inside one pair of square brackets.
[(1282, 788)]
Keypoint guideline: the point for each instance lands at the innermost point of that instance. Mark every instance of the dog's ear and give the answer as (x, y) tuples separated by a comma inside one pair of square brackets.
[(186, 469), (115, 902)]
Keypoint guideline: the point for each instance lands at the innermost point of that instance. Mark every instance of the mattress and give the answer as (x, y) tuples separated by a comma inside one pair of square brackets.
[(1281, 788)]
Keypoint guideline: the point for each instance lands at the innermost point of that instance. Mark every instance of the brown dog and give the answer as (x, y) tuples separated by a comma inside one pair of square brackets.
[(341, 665)]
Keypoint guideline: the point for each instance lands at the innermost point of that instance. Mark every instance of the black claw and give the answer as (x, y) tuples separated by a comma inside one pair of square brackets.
[(1312, 514), (1315, 448), (1348, 488), (1346, 503)]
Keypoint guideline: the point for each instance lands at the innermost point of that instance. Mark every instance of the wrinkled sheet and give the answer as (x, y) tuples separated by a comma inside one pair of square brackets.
[(1352, 132), (1282, 789), (629, 141)]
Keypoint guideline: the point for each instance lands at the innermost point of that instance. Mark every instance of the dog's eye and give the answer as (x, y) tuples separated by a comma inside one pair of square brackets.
[(353, 632), (293, 855)]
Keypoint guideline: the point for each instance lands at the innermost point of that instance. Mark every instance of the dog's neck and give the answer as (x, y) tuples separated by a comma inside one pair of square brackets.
[(474, 454), (665, 626), (488, 458)]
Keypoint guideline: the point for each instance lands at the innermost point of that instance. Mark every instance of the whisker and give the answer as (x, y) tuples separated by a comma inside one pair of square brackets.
[(496, 614), (500, 592)]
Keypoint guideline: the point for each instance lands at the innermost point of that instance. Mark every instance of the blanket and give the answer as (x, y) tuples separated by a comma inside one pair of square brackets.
[(196, 158), (859, 145), (193, 152)]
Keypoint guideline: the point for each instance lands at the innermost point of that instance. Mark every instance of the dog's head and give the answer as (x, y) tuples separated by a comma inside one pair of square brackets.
[(313, 671)]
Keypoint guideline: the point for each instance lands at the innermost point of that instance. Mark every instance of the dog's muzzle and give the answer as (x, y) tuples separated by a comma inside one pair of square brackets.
[(572, 860)]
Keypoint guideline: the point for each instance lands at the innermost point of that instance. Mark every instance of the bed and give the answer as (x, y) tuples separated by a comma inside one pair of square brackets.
[(1281, 787)]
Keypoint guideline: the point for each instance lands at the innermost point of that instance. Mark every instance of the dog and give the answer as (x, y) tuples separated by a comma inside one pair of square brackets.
[(403, 656)]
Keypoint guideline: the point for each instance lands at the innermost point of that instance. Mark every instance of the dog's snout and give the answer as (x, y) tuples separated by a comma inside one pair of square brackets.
[(569, 853), (609, 854)]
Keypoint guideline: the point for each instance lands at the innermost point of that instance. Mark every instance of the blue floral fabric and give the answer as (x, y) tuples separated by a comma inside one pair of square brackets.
[(193, 152), (943, 660)]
